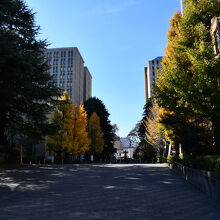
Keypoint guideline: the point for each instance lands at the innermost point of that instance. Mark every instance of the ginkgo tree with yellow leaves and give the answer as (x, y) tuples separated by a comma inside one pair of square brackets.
[(95, 135), (58, 142), (153, 134), (77, 139), (71, 136), (188, 85)]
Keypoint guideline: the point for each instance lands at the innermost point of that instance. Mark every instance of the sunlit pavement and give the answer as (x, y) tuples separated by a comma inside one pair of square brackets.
[(101, 192)]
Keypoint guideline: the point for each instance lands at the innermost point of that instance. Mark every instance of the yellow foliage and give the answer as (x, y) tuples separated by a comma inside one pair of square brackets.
[(152, 132), (57, 142), (168, 131), (77, 136), (95, 134)]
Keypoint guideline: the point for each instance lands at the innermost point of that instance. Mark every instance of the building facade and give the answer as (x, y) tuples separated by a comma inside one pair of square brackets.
[(215, 32), (87, 93), (67, 68), (150, 75), (124, 148)]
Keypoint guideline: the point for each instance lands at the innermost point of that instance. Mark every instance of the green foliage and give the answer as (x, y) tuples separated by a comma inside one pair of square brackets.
[(145, 152), (27, 91), (193, 134), (208, 162), (188, 84), (96, 105), (142, 127)]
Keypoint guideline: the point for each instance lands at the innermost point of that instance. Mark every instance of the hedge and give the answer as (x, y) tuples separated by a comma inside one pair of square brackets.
[(208, 162)]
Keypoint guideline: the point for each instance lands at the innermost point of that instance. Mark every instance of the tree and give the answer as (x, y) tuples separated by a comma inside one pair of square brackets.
[(115, 131), (27, 91), (144, 150), (142, 127), (133, 134), (95, 135), (194, 136), (76, 131), (188, 84), (57, 142), (96, 105), (154, 137)]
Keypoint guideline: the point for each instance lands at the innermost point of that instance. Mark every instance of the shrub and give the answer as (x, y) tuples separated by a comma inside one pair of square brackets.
[(208, 162)]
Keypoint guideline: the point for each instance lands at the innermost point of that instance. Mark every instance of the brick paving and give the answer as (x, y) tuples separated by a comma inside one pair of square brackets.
[(118, 191)]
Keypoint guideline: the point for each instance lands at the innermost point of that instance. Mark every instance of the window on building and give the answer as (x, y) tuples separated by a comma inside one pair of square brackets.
[(152, 62), (71, 61), (61, 53), (64, 53), (71, 53), (157, 61), (56, 69)]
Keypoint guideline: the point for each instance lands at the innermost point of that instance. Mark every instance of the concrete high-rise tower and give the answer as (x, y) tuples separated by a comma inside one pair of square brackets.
[(150, 75), (67, 68)]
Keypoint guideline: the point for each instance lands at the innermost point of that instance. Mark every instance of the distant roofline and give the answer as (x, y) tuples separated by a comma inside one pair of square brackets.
[(58, 48), (158, 58), (66, 48), (85, 67)]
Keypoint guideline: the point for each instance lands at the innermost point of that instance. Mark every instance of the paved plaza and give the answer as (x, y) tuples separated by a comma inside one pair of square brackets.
[(101, 192)]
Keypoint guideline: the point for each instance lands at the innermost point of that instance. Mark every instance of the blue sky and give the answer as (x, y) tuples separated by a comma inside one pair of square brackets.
[(116, 38)]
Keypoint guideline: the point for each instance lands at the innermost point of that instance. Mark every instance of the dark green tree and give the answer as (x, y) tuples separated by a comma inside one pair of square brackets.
[(27, 91), (96, 105), (142, 127)]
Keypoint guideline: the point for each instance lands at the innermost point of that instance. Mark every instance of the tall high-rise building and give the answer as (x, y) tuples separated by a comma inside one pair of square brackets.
[(150, 75), (87, 84), (67, 68)]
